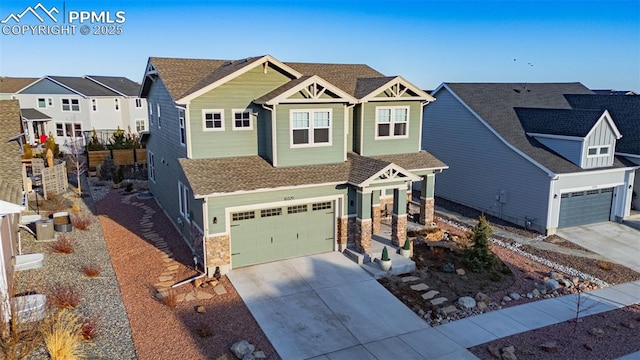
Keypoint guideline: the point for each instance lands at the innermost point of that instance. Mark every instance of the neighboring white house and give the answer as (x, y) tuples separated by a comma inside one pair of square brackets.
[(78, 104)]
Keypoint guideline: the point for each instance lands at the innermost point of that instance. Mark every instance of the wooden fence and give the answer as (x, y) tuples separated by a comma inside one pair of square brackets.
[(120, 157)]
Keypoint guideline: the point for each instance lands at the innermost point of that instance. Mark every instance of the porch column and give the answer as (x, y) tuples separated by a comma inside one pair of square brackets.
[(375, 211), (363, 223), (399, 218), (427, 199)]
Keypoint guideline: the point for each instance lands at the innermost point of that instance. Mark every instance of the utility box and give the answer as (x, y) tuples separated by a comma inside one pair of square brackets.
[(44, 230)]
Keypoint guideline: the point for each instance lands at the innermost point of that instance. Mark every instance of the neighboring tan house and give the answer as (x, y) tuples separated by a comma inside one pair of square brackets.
[(11, 85), (625, 110), (521, 153), (257, 160), (12, 197), (75, 105)]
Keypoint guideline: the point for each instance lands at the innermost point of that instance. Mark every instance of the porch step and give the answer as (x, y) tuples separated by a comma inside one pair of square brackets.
[(357, 257), (634, 223), (399, 265)]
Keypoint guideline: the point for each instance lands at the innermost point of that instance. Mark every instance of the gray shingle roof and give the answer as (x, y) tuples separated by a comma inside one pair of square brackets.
[(10, 160), (495, 103), (10, 85), (566, 122), (364, 87), (247, 173), (414, 161), (83, 86), (625, 112), (119, 84), (33, 114), (344, 76)]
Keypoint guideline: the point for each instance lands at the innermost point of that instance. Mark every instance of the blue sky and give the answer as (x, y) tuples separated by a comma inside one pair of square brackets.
[(427, 42)]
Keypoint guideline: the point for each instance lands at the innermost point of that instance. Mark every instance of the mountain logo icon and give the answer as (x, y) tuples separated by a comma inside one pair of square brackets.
[(34, 11)]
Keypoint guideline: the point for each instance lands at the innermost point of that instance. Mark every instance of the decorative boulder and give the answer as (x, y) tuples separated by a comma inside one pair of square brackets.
[(466, 302), (552, 284), (242, 348)]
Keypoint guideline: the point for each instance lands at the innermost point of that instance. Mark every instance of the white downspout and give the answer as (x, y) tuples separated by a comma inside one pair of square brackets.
[(205, 225)]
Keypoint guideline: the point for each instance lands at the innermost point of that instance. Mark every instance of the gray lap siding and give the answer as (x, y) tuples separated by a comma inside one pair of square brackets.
[(481, 166)]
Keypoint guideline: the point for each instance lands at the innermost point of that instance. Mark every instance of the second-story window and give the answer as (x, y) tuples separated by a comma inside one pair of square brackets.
[(42, 103), (310, 127), (116, 102), (183, 131), (138, 103), (212, 120), (70, 105), (158, 113), (242, 120), (150, 105), (94, 105), (392, 122)]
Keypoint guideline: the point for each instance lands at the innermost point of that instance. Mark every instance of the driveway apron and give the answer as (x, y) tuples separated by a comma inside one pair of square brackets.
[(326, 307), (619, 243)]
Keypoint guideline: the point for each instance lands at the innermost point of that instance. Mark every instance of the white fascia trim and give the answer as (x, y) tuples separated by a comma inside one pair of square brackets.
[(66, 87), (245, 69), (434, 169), (103, 85), (317, 80), (263, 190), (587, 173), (606, 117), (559, 137), (422, 95), (637, 156), (374, 178), (495, 133), (591, 187)]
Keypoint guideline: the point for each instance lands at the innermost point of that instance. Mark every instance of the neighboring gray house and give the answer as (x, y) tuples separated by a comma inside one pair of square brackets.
[(625, 110), (521, 153)]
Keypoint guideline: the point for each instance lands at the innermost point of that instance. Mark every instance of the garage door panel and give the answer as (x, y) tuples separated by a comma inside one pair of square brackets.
[(585, 207)]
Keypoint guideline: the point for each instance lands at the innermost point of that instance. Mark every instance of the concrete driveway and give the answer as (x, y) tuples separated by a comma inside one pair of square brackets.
[(326, 307), (619, 243)]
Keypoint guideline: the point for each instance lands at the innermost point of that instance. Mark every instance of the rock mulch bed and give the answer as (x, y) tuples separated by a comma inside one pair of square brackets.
[(197, 327)]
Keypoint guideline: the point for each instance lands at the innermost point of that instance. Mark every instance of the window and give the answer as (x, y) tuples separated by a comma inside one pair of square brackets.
[(140, 125), (296, 209), (138, 103), (597, 151), (242, 120), (116, 102), (183, 131), (70, 105), (271, 212), (152, 165), (77, 130), (183, 197), (392, 122), (212, 120), (310, 127), (50, 102), (94, 105), (69, 129), (59, 129), (42, 103), (150, 113), (321, 206), (158, 114), (246, 215)]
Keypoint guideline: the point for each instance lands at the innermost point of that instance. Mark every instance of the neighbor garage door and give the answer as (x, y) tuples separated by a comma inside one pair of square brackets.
[(276, 233), (585, 207)]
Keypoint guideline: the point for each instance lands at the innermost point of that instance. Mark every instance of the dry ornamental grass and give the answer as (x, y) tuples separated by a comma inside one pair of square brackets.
[(64, 245)]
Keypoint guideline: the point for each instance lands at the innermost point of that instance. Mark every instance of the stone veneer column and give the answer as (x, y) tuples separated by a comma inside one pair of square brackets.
[(363, 235), (218, 252), (427, 208), (343, 231), (399, 218)]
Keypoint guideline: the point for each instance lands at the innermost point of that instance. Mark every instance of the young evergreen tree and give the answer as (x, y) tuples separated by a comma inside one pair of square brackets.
[(478, 257)]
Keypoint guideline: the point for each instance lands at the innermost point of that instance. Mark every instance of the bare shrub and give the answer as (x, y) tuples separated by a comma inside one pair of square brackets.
[(81, 221), (64, 245), (64, 297), (91, 270)]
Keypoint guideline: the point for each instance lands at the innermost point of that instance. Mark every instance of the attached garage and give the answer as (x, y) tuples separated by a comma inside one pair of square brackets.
[(276, 233), (585, 207)]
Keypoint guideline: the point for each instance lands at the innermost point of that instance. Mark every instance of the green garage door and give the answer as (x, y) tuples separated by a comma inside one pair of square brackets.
[(585, 207), (278, 233)]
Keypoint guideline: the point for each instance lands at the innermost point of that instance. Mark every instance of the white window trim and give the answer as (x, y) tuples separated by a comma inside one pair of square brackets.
[(204, 122), (116, 104), (158, 114), (138, 103), (233, 119), (150, 106), (38, 103), (65, 134), (144, 124), (182, 123), (70, 105), (311, 143), (151, 166), (598, 154), (94, 105), (183, 199), (391, 135)]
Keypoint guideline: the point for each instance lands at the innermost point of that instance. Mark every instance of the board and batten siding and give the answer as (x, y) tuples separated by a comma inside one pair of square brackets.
[(237, 94), (374, 147), (216, 206), (309, 155), (601, 135), (165, 145), (568, 149), (481, 166)]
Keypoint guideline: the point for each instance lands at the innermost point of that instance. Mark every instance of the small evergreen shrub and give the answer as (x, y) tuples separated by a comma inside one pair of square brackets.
[(107, 169), (479, 258), (407, 244), (385, 254)]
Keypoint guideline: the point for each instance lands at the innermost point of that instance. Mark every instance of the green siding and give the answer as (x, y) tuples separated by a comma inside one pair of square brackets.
[(217, 205), (235, 94), (288, 156), (373, 147), (355, 128), (265, 144)]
